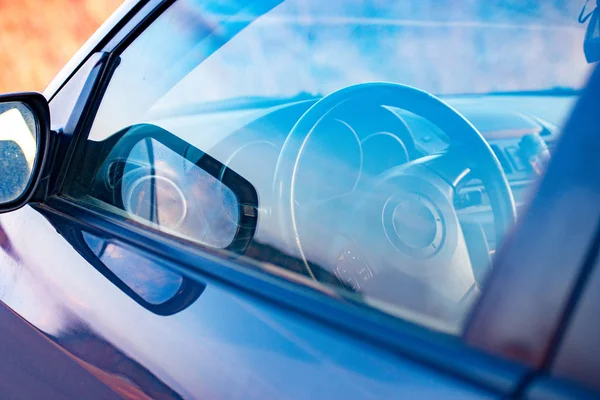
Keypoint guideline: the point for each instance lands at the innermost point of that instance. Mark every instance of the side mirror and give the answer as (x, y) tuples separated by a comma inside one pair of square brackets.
[(151, 177), (145, 279), (148, 281), (24, 137), (148, 176)]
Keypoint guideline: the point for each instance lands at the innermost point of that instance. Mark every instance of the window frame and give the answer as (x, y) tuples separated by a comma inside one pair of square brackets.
[(565, 194), (396, 336), (574, 335)]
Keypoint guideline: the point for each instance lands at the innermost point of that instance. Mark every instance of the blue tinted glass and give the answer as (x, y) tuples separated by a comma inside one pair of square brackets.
[(391, 143)]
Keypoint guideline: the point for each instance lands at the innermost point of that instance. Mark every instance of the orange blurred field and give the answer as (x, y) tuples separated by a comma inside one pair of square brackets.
[(37, 37)]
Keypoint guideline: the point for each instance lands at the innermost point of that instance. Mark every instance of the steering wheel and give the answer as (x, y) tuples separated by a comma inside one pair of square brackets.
[(402, 235)]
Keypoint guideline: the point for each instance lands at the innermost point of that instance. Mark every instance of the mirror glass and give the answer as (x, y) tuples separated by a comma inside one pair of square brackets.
[(174, 195), (18, 149)]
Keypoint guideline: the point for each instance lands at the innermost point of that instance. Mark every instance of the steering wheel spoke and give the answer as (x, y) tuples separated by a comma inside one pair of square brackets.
[(450, 165), (445, 169)]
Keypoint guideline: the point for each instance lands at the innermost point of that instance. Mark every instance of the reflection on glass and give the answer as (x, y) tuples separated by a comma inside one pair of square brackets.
[(176, 196), (18, 149), (352, 214), (149, 279)]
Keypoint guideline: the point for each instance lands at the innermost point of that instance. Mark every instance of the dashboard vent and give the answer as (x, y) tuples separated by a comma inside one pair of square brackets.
[(502, 158), (551, 144)]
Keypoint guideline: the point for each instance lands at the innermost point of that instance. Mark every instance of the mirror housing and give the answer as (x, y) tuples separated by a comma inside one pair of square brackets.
[(173, 183), (129, 167), (24, 144)]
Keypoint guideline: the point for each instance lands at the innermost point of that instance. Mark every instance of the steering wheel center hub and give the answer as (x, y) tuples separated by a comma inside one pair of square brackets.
[(413, 225)]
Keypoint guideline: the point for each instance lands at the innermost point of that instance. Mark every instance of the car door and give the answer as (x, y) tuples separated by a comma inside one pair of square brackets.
[(171, 315)]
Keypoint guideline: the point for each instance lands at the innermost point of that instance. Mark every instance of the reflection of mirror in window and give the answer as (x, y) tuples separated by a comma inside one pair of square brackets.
[(149, 279), (18, 149), (162, 187)]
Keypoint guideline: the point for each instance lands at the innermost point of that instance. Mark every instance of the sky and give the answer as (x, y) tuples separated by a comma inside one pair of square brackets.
[(34, 47)]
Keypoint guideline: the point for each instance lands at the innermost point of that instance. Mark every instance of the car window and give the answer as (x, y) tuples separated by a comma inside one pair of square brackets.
[(302, 134)]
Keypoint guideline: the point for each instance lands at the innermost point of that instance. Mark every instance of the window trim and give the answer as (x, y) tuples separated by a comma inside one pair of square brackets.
[(90, 74), (124, 20), (561, 190)]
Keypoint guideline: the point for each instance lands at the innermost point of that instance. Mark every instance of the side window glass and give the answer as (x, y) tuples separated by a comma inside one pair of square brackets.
[(378, 148)]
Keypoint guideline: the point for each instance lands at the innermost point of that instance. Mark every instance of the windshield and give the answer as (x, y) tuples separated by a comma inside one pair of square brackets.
[(441, 46)]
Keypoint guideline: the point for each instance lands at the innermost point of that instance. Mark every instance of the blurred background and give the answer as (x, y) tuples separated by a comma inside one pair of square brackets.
[(37, 37)]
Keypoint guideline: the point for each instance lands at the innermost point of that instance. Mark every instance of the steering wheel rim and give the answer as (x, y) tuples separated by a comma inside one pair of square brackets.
[(482, 160)]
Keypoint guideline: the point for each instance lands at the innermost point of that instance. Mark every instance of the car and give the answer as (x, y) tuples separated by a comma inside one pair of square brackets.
[(244, 199)]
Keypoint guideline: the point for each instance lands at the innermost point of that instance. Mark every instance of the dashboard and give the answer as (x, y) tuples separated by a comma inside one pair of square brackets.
[(248, 139)]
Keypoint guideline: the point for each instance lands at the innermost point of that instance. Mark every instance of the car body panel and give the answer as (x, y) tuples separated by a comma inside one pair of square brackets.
[(34, 367), (226, 345)]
